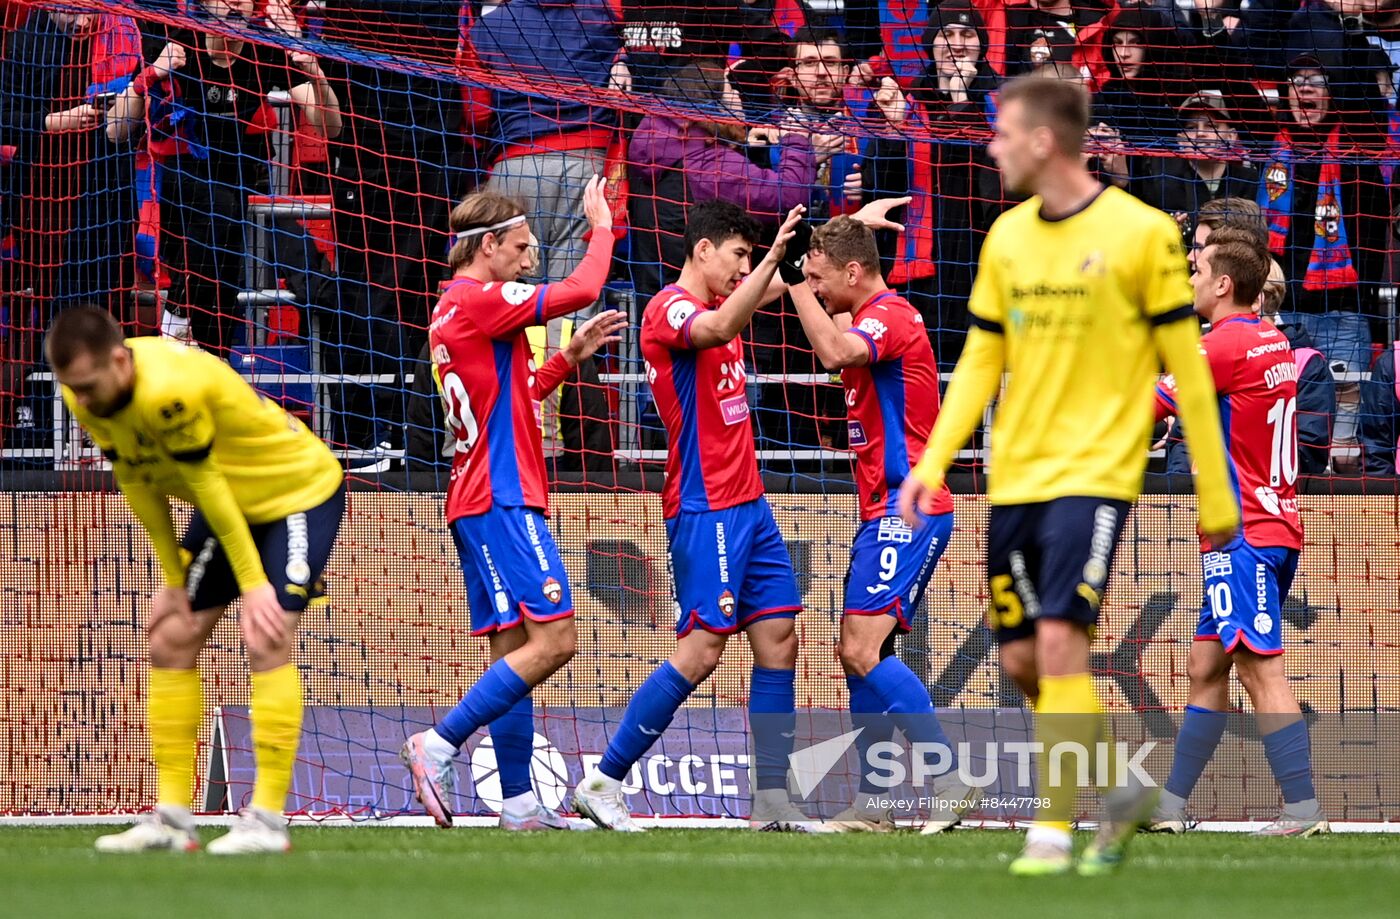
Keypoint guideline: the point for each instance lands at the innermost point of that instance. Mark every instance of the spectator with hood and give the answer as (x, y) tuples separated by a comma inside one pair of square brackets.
[(1146, 82), (1220, 46), (956, 190)]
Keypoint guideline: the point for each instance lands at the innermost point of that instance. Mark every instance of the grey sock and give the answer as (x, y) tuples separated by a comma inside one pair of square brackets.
[(1303, 810), (1170, 803)]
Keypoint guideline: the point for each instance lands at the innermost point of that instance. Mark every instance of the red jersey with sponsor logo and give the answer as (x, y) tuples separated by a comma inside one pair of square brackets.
[(891, 402), (702, 399), (1257, 382)]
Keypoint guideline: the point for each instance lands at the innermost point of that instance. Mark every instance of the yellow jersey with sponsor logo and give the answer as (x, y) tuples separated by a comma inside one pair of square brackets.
[(1076, 299), (192, 420)]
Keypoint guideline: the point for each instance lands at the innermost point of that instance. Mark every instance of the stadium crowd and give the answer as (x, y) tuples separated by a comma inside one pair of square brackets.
[(130, 152)]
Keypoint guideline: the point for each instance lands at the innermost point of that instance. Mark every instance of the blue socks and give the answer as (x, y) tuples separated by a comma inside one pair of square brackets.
[(493, 695), (1201, 730), (652, 707), (513, 736), (906, 697), (1290, 758), (771, 694), (867, 714)]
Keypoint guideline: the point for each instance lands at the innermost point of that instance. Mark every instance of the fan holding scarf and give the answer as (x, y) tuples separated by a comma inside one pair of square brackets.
[(1324, 199)]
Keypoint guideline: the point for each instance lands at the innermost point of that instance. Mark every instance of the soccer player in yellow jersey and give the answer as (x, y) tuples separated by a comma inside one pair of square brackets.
[(1080, 291), (268, 497)]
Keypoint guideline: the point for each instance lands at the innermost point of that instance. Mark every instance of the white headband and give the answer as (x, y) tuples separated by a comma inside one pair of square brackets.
[(518, 218)]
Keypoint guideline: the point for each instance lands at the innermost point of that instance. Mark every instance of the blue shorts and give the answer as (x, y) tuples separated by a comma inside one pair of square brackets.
[(891, 564), (1050, 560), (294, 552), (731, 569), (1245, 588), (512, 569)]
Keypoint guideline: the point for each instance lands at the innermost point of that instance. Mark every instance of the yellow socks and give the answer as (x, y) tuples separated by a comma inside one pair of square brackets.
[(1068, 712), (173, 707), (276, 717)]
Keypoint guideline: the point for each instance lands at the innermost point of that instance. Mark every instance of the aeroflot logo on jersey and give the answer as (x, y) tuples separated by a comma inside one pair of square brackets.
[(1281, 345)]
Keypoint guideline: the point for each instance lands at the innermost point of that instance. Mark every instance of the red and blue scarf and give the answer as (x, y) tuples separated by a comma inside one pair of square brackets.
[(902, 24), (116, 54), (1330, 264)]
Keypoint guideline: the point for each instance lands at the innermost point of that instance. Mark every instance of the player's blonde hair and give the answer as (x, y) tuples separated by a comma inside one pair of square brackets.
[(1275, 288), (471, 219)]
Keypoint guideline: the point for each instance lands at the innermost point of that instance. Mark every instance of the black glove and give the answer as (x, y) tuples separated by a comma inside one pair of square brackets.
[(790, 267)]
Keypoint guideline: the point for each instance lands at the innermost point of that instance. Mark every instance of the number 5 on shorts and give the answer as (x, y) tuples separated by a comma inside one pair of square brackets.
[(1006, 611)]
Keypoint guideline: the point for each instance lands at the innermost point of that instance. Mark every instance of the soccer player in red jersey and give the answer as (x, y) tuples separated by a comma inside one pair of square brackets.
[(878, 342), (497, 500), (731, 567), (1247, 580)]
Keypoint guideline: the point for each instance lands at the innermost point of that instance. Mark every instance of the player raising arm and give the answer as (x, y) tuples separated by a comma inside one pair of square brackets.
[(268, 498), (1247, 580), (878, 342), (1080, 290), (497, 501)]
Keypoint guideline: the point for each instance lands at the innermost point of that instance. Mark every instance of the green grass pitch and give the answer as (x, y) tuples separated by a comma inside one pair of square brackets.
[(344, 873)]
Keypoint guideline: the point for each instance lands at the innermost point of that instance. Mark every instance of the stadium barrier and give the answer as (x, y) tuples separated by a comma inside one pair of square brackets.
[(394, 647)]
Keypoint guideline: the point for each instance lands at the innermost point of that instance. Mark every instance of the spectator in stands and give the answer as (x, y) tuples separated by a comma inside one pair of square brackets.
[(1379, 415), (1210, 164), (1334, 34), (1317, 389), (956, 189), (1042, 31), (1221, 44), (548, 149), (814, 92), (1327, 208), (1145, 80), (661, 36), (208, 132), (398, 167), (676, 161), (67, 197)]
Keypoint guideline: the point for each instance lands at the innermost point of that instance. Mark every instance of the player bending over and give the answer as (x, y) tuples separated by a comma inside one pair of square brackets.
[(1246, 581), (497, 502), (1080, 290), (877, 341), (268, 498)]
